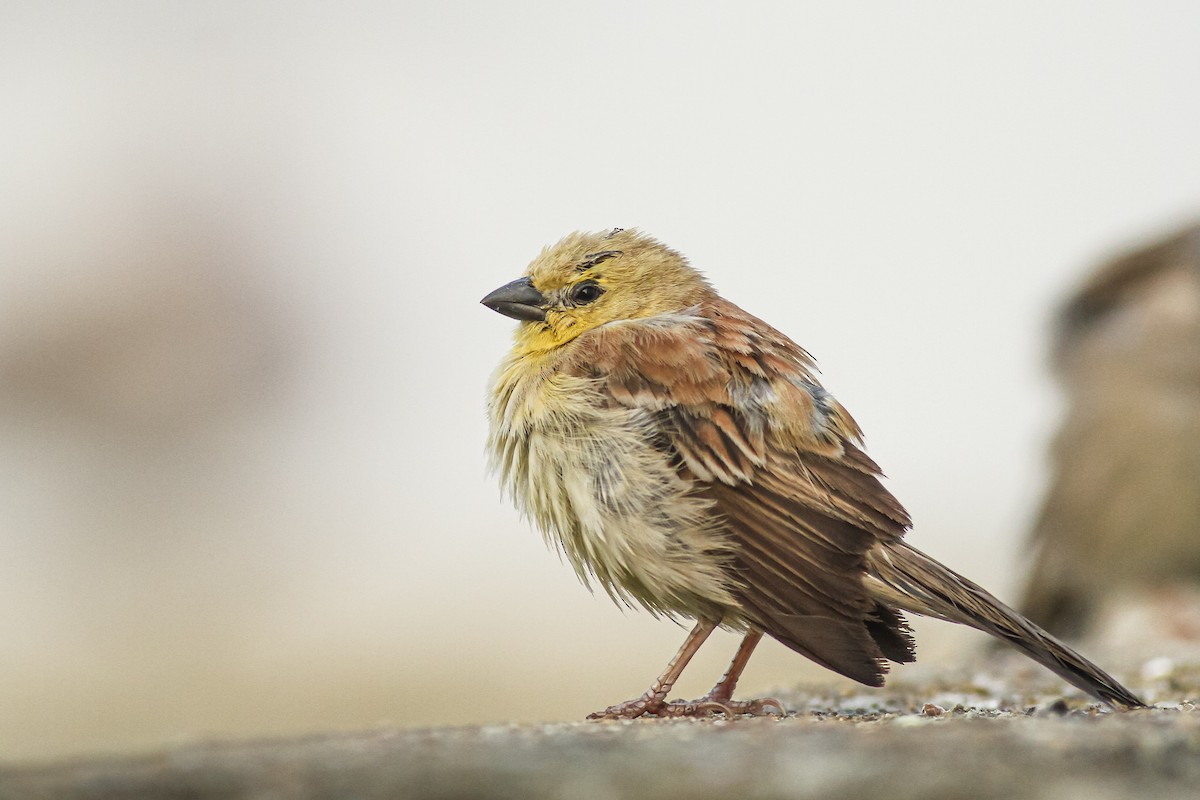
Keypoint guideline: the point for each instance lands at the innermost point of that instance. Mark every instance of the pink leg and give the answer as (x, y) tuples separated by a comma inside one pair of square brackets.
[(719, 698), (654, 699), (725, 686)]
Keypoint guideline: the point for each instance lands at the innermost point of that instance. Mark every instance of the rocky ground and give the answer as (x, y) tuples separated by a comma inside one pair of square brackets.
[(1004, 729)]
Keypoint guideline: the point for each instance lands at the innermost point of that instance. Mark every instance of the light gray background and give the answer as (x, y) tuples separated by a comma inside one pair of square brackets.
[(242, 364)]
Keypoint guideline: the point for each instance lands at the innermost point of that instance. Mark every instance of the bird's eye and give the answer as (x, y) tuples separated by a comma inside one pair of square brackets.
[(586, 292)]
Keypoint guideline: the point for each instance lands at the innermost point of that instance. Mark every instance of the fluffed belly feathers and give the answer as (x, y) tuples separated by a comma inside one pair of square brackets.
[(592, 480)]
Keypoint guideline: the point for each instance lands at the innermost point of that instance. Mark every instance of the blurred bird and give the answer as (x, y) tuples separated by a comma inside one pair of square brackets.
[(1121, 519), (682, 455)]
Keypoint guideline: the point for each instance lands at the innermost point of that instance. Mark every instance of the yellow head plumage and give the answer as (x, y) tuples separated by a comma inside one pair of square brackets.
[(590, 279)]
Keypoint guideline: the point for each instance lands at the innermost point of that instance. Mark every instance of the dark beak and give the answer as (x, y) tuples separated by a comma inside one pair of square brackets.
[(518, 300)]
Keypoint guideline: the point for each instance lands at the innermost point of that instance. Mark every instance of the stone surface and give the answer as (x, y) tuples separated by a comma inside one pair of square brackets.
[(1003, 730)]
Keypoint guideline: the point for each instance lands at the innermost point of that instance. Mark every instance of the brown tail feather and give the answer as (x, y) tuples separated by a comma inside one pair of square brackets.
[(905, 577)]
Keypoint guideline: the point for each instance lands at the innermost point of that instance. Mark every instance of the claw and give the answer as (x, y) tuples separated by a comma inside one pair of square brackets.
[(706, 706), (765, 707), (631, 709), (719, 699), (694, 708)]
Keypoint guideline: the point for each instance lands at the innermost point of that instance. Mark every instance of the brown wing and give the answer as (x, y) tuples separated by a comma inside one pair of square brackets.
[(741, 415)]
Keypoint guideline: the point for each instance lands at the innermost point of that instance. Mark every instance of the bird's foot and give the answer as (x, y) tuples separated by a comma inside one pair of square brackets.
[(714, 704), (707, 706), (649, 703)]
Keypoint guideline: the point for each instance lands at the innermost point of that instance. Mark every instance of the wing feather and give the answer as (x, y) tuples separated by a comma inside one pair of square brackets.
[(743, 417)]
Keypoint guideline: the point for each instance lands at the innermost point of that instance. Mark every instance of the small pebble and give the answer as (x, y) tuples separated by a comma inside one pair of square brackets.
[(931, 710), (1056, 709)]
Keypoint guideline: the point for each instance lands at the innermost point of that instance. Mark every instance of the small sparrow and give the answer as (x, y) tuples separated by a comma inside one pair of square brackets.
[(1121, 519), (683, 456)]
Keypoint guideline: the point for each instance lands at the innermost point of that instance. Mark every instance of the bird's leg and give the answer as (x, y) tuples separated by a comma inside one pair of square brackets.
[(724, 688), (653, 701), (720, 697)]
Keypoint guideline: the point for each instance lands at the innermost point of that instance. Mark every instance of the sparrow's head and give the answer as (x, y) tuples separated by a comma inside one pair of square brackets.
[(591, 279)]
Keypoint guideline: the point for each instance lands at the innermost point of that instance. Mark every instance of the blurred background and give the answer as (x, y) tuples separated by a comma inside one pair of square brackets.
[(243, 364)]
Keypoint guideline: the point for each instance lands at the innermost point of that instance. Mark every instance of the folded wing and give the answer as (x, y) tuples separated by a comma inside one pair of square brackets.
[(740, 414)]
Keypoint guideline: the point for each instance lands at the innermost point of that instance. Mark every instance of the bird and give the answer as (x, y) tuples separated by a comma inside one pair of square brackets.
[(683, 457), (1126, 458)]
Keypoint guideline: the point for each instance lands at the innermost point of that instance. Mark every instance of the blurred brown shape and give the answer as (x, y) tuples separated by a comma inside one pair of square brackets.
[(1121, 520), (159, 336)]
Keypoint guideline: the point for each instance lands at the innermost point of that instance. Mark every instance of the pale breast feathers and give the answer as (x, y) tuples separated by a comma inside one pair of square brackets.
[(590, 474)]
